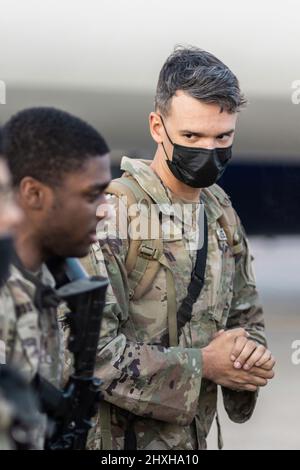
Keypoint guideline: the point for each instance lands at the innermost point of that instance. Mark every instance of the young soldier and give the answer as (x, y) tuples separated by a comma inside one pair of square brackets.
[(60, 168), (163, 351)]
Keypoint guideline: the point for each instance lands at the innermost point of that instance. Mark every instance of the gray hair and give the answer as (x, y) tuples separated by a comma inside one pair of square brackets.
[(201, 75)]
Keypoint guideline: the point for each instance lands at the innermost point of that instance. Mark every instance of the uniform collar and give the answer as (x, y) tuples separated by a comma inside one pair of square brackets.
[(43, 275), (149, 181)]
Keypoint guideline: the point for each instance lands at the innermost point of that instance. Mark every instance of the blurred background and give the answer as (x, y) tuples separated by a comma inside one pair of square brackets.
[(100, 60)]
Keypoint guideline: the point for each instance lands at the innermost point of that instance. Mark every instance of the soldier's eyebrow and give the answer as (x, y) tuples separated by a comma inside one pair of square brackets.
[(202, 134)]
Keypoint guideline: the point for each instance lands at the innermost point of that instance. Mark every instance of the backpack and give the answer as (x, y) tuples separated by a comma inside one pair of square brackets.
[(145, 256)]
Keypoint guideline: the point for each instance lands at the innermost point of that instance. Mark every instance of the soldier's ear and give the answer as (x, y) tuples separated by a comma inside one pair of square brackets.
[(156, 127), (32, 193)]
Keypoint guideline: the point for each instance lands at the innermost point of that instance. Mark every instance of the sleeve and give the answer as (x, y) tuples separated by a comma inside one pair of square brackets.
[(19, 338), (145, 379), (8, 326), (246, 312), (19, 346)]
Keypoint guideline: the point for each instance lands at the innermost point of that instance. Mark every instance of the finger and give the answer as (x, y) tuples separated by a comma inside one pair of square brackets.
[(238, 347), (246, 378), (256, 356), (258, 381), (260, 372), (265, 358), (270, 364), (248, 349)]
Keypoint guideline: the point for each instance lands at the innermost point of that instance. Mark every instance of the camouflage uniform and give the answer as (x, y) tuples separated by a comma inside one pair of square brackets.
[(32, 340), (5, 422), (160, 389)]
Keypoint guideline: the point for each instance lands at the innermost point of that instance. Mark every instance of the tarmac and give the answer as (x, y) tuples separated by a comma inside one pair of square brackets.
[(275, 423)]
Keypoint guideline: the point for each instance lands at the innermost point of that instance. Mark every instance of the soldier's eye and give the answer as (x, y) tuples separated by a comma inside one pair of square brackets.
[(224, 137)]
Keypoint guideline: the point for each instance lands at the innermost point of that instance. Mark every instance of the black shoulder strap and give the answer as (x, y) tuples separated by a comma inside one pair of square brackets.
[(184, 313)]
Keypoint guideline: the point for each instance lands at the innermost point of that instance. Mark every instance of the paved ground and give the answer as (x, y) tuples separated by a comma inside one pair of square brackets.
[(276, 421)]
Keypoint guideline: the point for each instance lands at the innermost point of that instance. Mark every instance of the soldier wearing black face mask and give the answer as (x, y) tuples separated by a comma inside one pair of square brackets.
[(162, 350), (197, 167)]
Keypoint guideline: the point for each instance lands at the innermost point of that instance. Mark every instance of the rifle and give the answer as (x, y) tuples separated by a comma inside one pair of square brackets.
[(73, 408)]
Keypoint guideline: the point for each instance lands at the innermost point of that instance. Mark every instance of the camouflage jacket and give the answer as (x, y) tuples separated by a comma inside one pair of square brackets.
[(160, 389), (5, 422), (30, 340)]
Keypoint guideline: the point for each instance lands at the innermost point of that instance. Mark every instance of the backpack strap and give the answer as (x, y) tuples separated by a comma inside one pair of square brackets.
[(144, 256), (89, 263), (228, 219), (195, 287)]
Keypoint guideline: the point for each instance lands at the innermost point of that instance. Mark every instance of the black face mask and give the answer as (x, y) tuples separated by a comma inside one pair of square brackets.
[(197, 167), (6, 254)]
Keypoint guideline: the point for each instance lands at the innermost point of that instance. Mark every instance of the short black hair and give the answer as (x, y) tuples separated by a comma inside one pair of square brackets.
[(46, 143), (201, 75)]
